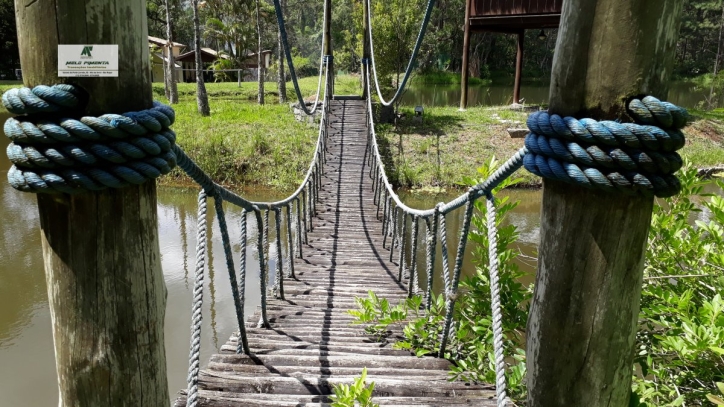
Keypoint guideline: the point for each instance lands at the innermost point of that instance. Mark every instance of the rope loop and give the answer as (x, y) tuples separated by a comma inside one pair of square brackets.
[(630, 158), (54, 149)]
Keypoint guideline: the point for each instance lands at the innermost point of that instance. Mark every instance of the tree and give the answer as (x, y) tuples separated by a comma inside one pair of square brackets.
[(170, 76), (202, 99), (259, 57), (281, 76)]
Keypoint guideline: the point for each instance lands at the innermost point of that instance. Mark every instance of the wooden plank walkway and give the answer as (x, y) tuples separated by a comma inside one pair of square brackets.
[(311, 345)]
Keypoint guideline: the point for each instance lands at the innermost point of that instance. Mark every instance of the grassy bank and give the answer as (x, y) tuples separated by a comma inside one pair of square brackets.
[(450, 144), (242, 143)]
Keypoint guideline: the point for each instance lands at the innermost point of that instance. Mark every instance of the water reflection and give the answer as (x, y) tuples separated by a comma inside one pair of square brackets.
[(685, 94)]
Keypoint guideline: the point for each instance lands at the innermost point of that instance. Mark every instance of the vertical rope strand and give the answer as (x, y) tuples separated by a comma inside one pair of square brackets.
[(402, 270), (496, 310), (279, 277), (243, 343), (413, 286), (395, 212), (265, 241), (299, 226), (290, 240), (226, 242), (192, 379), (304, 215), (452, 292), (263, 321), (431, 248)]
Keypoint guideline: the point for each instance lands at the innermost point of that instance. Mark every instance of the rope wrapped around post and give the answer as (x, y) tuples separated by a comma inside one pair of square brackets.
[(624, 157), (55, 150)]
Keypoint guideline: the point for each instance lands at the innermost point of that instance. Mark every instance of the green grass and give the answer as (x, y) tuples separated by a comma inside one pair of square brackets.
[(244, 143), (448, 145), (6, 85), (451, 144), (344, 84)]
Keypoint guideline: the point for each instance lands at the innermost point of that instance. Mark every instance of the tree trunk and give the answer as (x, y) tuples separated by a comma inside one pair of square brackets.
[(202, 99), (106, 290), (282, 78), (172, 89), (466, 56), (583, 316), (710, 101), (259, 58)]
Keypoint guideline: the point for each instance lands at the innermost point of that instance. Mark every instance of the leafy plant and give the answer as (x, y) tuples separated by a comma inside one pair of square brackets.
[(680, 340), (716, 399), (378, 315), (471, 342), (357, 394)]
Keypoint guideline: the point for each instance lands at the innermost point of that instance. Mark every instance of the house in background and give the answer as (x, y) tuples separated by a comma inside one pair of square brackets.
[(251, 65), (159, 52), (208, 57)]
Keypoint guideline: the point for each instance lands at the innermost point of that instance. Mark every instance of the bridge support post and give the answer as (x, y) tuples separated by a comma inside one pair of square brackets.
[(328, 42), (583, 317), (106, 290)]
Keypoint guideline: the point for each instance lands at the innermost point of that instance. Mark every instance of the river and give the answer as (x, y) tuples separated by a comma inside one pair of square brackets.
[(685, 94)]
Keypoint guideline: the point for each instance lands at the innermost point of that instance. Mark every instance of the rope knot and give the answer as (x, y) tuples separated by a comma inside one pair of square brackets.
[(627, 157), (54, 150)]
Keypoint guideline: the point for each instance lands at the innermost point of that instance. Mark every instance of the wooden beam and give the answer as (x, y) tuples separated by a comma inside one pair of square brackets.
[(518, 67), (582, 322), (106, 290), (466, 51), (328, 40)]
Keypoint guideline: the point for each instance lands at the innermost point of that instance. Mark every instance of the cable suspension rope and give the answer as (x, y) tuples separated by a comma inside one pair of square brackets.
[(290, 62), (413, 57)]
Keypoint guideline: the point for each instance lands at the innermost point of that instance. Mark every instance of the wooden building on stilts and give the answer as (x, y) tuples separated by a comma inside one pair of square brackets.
[(506, 17)]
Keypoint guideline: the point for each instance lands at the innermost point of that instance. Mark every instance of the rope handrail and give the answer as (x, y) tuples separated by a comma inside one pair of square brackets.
[(477, 191), (287, 52), (306, 205), (394, 218), (413, 57)]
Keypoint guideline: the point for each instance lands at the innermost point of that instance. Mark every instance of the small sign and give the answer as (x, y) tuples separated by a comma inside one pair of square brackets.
[(88, 60)]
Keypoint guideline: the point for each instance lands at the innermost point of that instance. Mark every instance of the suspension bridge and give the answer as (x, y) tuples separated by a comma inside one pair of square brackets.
[(343, 232)]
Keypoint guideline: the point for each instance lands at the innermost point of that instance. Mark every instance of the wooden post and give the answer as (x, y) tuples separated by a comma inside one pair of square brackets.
[(328, 41), (518, 67), (466, 51), (106, 290), (583, 317), (365, 46)]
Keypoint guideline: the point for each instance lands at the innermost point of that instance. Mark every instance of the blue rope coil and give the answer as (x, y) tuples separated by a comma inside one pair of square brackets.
[(53, 152), (631, 158)]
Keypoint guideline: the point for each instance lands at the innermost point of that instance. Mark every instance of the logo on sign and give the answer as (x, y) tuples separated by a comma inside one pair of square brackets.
[(86, 53)]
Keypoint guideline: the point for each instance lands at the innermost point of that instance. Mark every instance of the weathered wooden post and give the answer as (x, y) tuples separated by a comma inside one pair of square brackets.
[(583, 317), (328, 40), (103, 268), (518, 67), (466, 51)]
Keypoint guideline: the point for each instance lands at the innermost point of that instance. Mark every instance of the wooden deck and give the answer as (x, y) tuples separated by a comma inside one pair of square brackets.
[(311, 345)]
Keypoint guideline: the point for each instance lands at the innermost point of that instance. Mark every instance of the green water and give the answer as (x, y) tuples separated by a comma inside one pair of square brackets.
[(684, 94)]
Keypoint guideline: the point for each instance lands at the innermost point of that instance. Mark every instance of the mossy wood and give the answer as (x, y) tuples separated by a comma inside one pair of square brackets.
[(583, 316), (103, 268)]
